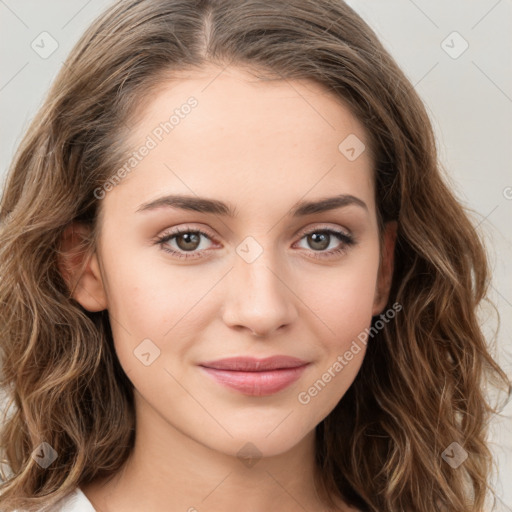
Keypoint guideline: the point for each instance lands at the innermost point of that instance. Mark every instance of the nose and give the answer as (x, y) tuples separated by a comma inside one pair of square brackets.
[(260, 297)]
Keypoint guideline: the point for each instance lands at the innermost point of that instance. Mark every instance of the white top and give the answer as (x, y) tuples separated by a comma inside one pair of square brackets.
[(75, 502)]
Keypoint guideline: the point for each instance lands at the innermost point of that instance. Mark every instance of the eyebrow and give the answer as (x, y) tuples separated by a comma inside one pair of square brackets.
[(214, 206)]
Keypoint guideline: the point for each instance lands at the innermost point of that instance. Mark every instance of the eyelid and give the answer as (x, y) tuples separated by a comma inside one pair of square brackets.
[(320, 226), (323, 226), (185, 228)]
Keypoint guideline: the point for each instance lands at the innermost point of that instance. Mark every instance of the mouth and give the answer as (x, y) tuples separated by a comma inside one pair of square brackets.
[(256, 377)]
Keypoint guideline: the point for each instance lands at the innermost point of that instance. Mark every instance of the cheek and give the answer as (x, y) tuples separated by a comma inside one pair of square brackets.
[(167, 304), (343, 297), (344, 307)]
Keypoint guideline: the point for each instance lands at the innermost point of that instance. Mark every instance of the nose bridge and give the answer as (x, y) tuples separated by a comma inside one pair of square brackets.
[(258, 298)]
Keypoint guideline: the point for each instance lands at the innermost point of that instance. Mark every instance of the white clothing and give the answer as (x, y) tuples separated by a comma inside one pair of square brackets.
[(76, 501)]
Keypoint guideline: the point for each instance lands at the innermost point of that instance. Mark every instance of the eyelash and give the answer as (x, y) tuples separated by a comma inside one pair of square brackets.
[(347, 240)]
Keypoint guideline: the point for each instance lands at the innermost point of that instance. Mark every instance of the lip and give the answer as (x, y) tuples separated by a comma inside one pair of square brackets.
[(256, 377)]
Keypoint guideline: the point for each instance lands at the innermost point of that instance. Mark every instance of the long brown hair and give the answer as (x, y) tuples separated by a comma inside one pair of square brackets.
[(421, 385)]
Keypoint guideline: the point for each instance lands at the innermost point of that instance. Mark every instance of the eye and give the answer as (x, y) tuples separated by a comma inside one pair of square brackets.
[(321, 239), (187, 241)]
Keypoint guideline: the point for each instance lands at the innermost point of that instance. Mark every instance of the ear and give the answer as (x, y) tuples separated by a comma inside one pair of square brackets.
[(80, 268), (385, 275)]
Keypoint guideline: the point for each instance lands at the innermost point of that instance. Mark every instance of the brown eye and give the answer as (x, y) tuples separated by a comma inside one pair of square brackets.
[(188, 241), (184, 241), (319, 240)]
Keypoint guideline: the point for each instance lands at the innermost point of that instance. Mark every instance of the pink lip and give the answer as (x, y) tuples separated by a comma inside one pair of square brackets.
[(256, 377)]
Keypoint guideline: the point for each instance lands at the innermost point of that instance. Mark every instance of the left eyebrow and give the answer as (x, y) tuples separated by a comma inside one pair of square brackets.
[(330, 203), (205, 205)]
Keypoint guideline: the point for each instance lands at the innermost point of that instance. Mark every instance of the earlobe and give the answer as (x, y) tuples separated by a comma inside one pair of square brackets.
[(80, 269), (385, 276)]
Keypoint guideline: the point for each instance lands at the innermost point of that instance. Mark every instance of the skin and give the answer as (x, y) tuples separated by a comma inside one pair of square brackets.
[(262, 147)]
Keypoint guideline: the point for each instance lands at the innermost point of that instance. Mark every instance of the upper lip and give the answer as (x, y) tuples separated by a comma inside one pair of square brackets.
[(252, 364)]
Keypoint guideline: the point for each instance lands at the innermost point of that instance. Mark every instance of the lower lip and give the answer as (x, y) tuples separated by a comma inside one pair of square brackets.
[(256, 383)]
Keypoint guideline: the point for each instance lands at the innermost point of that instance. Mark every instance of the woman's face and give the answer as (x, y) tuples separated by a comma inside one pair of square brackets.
[(272, 275)]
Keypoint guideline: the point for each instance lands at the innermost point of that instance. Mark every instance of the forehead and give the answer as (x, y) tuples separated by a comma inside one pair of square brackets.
[(246, 137), (232, 96)]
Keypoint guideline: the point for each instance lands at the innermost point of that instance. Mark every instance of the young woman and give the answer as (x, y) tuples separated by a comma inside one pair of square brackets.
[(232, 276)]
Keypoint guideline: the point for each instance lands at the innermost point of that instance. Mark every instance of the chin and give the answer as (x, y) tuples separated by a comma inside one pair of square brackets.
[(251, 440)]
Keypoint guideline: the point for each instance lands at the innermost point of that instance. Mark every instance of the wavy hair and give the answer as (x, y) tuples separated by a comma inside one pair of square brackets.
[(423, 380)]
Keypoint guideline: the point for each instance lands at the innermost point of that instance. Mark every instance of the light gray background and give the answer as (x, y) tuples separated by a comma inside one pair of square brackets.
[(468, 96)]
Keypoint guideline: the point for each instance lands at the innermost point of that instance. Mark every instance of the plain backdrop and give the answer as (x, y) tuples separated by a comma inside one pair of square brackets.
[(457, 54)]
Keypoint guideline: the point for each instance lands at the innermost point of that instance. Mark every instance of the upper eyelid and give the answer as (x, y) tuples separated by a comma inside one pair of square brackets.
[(185, 229), (318, 227), (324, 227)]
